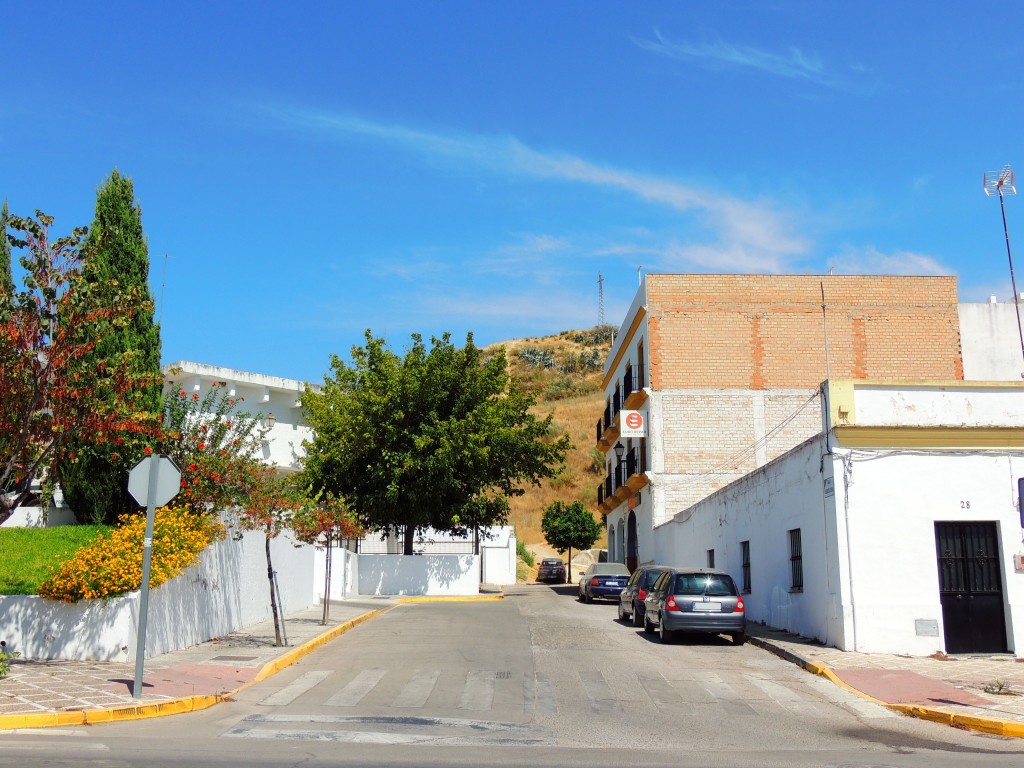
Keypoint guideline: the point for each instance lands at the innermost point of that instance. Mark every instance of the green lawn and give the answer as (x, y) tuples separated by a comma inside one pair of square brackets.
[(28, 555)]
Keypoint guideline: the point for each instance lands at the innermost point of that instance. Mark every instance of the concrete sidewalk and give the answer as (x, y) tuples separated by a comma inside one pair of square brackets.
[(979, 692)]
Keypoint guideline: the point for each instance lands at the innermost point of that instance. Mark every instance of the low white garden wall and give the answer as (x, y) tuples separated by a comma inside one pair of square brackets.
[(344, 573), (433, 575), (226, 591)]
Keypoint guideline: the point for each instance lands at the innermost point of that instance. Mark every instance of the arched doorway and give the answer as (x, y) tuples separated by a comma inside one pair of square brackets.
[(631, 545)]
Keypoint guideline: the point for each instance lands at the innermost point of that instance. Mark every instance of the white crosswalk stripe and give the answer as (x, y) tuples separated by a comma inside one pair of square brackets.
[(293, 690), (354, 692), (417, 690), (478, 692)]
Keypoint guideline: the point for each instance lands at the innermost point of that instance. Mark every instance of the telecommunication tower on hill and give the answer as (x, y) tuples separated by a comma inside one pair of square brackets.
[(600, 299)]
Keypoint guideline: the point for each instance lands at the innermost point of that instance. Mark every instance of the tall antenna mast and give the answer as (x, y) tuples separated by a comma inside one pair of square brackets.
[(824, 328), (1001, 183), (600, 299)]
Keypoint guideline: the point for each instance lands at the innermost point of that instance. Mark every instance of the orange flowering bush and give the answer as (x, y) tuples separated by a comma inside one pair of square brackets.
[(112, 564)]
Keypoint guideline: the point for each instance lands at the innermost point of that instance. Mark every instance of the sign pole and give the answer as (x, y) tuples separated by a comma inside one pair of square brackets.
[(147, 561)]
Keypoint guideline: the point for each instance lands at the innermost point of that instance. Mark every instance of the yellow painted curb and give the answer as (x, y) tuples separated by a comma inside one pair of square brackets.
[(969, 722), (174, 706), (443, 599), (289, 658), (109, 715), (982, 724)]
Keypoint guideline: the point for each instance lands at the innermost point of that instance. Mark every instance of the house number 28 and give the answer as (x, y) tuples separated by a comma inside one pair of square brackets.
[(965, 505)]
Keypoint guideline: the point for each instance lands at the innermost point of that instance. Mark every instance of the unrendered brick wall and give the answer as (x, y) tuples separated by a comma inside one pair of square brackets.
[(767, 331)]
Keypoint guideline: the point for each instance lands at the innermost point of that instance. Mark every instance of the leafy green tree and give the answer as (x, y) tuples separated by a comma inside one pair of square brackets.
[(438, 437), (115, 257), (569, 527), (6, 276)]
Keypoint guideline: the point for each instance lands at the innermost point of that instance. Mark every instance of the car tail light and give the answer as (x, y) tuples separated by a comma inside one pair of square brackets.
[(595, 582), (739, 606), (641, 595), (670, 605)]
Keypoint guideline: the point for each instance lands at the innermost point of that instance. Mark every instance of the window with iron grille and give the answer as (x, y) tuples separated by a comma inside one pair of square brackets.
[(711, 558), (745, 562), (796, 561)]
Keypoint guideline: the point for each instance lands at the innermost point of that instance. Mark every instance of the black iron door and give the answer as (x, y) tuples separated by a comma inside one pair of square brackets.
[(970, 587)]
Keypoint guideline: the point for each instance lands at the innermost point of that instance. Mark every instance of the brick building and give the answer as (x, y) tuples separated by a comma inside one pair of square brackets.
[(725, 371)]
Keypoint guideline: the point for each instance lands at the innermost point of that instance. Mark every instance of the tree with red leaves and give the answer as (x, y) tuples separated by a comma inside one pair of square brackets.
[(48, 392), (324, 524)]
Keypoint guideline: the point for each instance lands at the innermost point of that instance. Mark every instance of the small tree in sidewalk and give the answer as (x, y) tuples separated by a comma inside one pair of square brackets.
[(568, 527), (269, 503), (324, 524)]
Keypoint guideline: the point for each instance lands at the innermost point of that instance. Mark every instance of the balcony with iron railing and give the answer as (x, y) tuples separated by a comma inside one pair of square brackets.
[(627, 477), (633, 393)]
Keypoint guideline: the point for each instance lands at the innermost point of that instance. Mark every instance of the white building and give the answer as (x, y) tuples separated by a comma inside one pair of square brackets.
[(896, 530), (277, 401)]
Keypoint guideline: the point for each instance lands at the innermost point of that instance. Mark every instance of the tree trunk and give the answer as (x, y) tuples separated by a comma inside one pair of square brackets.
[(273, 595), (410, 537), (327, 581)]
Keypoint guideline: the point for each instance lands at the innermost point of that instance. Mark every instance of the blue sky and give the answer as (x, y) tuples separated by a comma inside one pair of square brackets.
[(311, 170)]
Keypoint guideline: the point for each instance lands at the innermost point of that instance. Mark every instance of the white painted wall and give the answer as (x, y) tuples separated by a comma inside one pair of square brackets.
[(344, 573), (895, 498), (990, 342), (33, 517), (498, 556), (227, 590), (762, 508), (934, 405), (419, 575)]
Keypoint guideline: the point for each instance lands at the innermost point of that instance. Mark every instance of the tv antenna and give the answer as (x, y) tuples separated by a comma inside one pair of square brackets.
[(1001, 183)]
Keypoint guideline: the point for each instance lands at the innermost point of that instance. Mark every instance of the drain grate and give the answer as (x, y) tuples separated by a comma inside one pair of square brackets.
[(234, 658)]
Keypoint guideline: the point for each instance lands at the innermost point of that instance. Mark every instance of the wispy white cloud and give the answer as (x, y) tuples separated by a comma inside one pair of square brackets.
[(871, 261), (735, 231), (793, 64)]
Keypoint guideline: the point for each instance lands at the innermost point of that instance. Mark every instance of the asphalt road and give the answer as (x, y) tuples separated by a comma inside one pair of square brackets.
[(536, 679)]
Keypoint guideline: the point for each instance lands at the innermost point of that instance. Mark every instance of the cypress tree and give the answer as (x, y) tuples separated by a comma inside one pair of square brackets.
[(116, 259), (6, 276)]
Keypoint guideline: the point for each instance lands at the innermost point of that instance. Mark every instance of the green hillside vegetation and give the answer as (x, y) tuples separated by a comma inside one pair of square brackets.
[(564, 372)]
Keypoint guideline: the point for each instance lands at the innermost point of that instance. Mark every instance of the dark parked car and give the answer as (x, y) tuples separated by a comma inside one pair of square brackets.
[(602, 580), (551, 569), (631, 600), (695, 600)]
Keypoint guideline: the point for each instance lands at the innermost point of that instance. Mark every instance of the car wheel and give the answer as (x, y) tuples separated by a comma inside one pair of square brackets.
[(638, 620), (587, 597), (664, 634), (648, 627), (622, 612), (579, 596), (739, 638)]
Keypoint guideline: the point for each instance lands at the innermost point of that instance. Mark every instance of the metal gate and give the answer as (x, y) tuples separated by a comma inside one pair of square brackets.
[(970, 588)]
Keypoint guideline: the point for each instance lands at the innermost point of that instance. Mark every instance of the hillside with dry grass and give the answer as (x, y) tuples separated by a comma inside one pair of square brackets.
[(564, 373)]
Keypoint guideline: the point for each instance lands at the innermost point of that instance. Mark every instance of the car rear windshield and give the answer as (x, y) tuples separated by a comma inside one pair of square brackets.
[(712, 584), (610, 569), (550, 562), (650, 577)]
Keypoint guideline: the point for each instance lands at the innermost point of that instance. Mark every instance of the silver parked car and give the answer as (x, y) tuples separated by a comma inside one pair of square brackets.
[(631, 601), (695, 600)]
